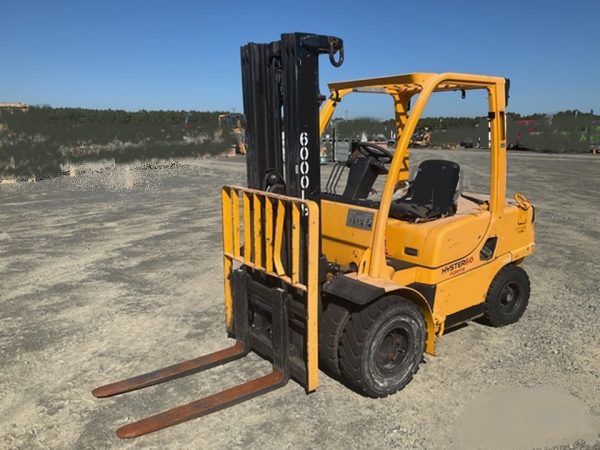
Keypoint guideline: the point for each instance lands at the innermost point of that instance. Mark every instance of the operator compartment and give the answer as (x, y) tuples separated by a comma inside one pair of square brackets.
[(430, 224), (346, 233)]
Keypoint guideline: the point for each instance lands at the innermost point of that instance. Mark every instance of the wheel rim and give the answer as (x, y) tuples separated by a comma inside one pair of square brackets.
[(510, 297), (392, 350)]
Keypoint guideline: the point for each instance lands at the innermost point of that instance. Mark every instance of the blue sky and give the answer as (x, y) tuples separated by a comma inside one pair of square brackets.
[(185, 54)]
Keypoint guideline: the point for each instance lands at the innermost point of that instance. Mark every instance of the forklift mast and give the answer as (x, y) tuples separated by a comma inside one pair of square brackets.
[(281, 104)]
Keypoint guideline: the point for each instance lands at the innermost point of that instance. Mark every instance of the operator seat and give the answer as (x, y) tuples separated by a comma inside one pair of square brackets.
[(433, 193)]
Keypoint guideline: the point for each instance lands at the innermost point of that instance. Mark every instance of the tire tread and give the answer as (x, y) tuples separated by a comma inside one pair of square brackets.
[(490, 314), (334, 317), (353, 341)]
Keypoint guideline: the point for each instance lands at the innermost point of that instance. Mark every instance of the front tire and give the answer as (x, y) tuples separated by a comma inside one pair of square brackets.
[(507, 297), (331, 326), (382, 346)]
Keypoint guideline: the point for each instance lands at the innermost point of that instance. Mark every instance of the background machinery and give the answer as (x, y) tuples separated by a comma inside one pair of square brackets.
[(326, 275), (233, 124)]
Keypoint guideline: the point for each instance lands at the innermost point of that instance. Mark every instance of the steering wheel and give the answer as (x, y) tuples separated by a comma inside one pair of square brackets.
[(376, 151)]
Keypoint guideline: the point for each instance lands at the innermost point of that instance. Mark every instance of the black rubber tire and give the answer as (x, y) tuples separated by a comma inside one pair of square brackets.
[(331, 326), (507, 296), (368, 361)]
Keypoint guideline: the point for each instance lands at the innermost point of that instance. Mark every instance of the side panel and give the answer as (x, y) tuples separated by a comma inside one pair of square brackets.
[(516, 231), (466, 290), (433, 244), (341, 243)]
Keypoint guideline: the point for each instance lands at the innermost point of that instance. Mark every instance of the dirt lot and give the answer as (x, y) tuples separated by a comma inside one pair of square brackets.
[(104, 276)]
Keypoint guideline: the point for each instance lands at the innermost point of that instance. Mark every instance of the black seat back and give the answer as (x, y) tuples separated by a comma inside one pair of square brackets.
[(435, 188)]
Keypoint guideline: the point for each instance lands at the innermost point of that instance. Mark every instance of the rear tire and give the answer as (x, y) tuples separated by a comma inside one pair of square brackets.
[(382, 346), (507, 297)]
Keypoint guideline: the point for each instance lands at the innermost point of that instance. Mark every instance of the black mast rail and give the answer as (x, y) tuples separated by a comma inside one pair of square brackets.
[(281, 105)]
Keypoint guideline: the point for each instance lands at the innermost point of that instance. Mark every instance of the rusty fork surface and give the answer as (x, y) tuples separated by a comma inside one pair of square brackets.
[(204, 406), (173, 372)]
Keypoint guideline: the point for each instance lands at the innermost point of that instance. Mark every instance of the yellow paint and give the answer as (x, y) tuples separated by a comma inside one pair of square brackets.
[(269, 234), (257, 227), (295, 243), (343, 244), (227, 249), (279, 221)]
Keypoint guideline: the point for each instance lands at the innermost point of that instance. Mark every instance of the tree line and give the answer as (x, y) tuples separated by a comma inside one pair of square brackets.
[(39, 140)]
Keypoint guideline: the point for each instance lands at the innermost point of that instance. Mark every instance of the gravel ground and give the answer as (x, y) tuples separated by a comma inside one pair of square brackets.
[(110, 274)]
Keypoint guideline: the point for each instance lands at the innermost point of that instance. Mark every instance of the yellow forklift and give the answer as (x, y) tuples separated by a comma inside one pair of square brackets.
[(358, 286), (234, 124)]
